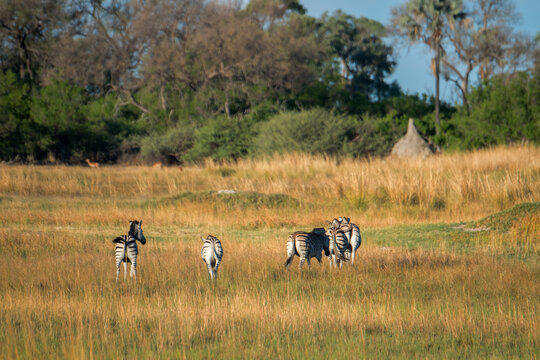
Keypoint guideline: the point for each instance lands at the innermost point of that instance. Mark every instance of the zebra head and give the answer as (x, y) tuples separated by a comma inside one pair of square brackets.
[(135, 230), (335, 224), (209, 238), (346, 225)]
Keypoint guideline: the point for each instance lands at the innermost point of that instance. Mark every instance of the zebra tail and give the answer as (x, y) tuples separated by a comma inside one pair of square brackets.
[(291, 250), (288, 262)]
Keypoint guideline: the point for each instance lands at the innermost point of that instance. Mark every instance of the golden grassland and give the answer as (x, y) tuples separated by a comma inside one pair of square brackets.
[(432, 279)]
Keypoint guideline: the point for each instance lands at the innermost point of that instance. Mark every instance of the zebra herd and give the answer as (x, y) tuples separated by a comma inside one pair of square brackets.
[(339, 243)]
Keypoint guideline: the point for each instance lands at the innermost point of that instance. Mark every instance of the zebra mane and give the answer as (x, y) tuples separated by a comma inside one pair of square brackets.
[(119, 239)]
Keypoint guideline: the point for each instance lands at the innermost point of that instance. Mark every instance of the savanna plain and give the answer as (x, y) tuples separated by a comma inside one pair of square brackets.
[(448, 267)]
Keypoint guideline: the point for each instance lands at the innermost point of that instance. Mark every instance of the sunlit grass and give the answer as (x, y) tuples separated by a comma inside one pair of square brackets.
[(434, 276)]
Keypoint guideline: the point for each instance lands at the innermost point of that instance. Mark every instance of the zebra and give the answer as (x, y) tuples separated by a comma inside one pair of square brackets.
[(126, 248), (212, 253), (353, 236), (338, 244), (306, 245)]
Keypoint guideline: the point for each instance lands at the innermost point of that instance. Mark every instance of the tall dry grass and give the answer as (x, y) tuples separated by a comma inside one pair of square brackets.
[(451, 294), (376, 192), (55, 302)]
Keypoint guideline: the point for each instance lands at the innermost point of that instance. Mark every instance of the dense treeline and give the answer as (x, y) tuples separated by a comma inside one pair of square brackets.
[(182, 80)]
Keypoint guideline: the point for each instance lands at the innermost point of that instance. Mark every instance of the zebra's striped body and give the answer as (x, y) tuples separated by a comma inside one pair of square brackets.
[(126, 249), (353, 236), (306, 245), (211, 253), (338, 245)]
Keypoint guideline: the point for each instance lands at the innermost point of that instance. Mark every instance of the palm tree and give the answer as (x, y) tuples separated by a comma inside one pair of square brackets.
[(423, 21)]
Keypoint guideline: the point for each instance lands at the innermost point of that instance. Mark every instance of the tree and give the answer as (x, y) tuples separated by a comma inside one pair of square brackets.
[(14, 103), (26, 26), (424, 21), (364, 58), (482, 39), (106, 47)]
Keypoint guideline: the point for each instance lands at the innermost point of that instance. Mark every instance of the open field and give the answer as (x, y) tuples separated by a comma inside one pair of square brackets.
[(444, 270)]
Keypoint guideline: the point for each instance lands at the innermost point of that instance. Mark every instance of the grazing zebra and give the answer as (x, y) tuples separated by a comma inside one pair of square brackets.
[(126, 248), (338, 244), (211, 253), (306, 245), (353, 236)]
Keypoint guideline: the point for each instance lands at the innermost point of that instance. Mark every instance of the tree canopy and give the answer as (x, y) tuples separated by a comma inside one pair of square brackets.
[(181, 80)]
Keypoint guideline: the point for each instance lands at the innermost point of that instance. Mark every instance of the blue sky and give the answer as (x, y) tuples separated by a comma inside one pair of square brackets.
[(412, 71)]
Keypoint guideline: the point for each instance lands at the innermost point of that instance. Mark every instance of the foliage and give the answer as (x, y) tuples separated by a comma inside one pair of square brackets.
[(104, 80), (315, 131), (364, 58), (504, 110), (59, 118), (14, 105), (172, 144), (222, 138)]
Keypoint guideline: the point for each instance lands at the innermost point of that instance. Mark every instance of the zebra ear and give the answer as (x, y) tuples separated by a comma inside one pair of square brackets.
[(203, 239), (140, 223), (328, 222)]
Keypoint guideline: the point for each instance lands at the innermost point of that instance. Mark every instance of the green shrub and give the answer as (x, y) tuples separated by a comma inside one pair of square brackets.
[(175, 142), (222, 138), (506, 109), (314, 131), (14, 123)]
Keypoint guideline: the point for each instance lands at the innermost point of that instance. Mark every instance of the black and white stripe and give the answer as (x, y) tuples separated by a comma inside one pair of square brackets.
[(306, 245), (353, 236), (126, 248), (338, 245), (212, 253)]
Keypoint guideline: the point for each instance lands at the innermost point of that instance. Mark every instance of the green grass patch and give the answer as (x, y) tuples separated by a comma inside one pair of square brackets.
[(238, 199), (504, 220)]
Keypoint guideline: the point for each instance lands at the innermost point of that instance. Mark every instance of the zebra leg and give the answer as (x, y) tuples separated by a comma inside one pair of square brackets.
[(210, 272), (352, 257), (216, 269), (302, 259), (117, 270), (133, 271), (125, 270), (308, 263)]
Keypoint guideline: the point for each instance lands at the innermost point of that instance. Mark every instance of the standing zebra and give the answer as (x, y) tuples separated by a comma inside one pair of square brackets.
[(211, 253), (338, 244), (126, 248), (306, 245), (353, 236)]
